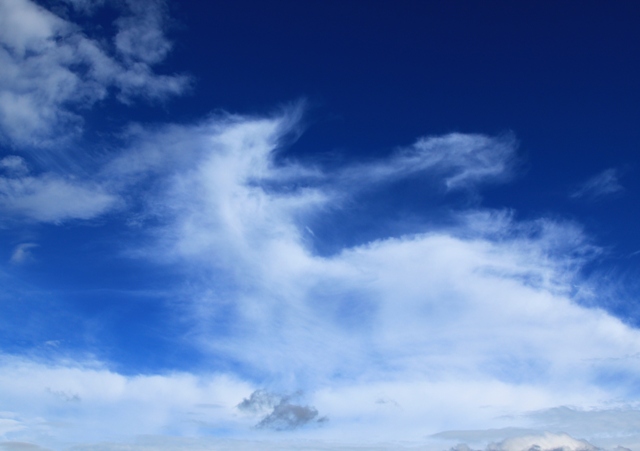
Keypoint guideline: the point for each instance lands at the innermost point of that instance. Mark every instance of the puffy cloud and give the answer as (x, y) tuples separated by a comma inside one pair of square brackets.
[(489, 295), (460, 324), (281, 412), (49, 68)]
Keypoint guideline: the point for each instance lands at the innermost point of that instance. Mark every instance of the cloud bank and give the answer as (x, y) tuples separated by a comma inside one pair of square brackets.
[(469, 324)]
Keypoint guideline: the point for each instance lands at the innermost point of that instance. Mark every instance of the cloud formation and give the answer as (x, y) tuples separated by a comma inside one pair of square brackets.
[(603, 184), (49, 197), (82, 401), (465, 325), (235, 202), (22, 253), (50, 68), (481, 311), (281, 413), (460, 160)]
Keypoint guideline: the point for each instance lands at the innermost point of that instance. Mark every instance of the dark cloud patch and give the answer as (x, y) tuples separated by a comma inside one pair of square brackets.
[(282, 413), (259, 401), (287, 416)]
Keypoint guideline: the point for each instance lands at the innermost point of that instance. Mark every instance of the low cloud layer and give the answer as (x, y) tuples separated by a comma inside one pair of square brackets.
[(49, 197)]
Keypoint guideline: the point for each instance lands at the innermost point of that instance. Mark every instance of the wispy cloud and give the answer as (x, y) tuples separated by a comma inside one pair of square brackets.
[(446, 322), (22, 253), (465, 325), (459, 160), (49, 68), (603, 184), (49, 197)]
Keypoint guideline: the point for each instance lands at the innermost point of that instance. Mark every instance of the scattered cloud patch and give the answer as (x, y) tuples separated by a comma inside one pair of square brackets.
[(53, 198), (22, 253), (49, 69), (603, 184), (281, 413), (14, 165)]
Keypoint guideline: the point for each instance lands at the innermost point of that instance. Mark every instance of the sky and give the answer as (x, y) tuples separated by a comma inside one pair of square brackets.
[(319, 225)]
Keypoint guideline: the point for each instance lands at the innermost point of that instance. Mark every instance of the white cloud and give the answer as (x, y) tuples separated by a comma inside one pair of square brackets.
[(461, 160), (14, 165), (63, 402), (459, 325), (51, 198), (546, 442), (49, 68), (22, 253), (140, 36), (226, 212), (466, 326), (603, 184)]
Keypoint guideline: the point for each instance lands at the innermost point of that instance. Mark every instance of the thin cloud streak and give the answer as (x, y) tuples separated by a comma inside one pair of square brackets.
[(603, 184), (486, 303)]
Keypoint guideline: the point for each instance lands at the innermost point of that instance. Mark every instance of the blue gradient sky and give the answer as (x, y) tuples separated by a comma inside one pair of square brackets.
[(322, 224)]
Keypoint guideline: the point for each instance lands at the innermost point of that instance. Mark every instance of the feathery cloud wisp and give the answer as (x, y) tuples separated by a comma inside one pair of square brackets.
[(603, 184)]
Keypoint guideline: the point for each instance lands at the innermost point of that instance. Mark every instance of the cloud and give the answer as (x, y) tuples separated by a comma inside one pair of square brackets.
[(467, 325), (281, 413), (288, 416), (461, 323), (22, 253), (546, 442), (14, 165), (461, 160), (604, 184), (48, 197), (50, 68), (61, 401)]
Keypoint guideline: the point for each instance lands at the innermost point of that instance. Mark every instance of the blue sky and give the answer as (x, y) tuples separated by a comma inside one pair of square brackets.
[(319, 225)]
